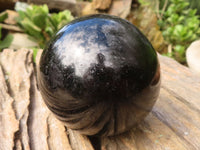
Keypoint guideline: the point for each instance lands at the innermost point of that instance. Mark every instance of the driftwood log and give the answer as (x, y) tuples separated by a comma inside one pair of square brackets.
[(26, 123)]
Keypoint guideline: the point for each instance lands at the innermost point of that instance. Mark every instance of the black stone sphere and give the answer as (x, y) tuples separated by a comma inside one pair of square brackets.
[(99, 75)]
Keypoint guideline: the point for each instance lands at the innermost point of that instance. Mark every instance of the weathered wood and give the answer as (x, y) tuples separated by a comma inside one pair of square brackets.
[(26, 123), (78, 141), (10, 27), (7, 116), (17, 65), (174, 122), (72, 5), (120, 8), (12, 15), (101, 4)]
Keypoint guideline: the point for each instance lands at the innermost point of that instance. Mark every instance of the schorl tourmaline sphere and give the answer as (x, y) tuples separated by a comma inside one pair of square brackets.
[(99, 75)]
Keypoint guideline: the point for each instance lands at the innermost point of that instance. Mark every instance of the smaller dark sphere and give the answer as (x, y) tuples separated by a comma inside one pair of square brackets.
[(99, 75)]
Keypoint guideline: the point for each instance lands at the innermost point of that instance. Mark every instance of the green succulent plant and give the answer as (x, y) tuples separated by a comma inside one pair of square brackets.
[(39, 24), (4, 43), (180, 26)]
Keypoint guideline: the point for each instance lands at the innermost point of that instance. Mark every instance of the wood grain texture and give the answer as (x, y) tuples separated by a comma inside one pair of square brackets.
[(26, 123)]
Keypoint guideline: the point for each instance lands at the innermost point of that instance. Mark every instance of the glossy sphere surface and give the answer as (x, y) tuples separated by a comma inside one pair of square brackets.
[(99, 75)]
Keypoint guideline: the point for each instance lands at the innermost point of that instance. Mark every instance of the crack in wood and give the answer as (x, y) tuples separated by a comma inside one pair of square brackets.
[(49, 133), (30, 108), (6, 77), (17, 137)]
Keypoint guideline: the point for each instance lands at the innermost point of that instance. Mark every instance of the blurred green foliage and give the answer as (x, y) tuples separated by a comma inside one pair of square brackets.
[(36, 21), (4, 43), (193, 4), (180, 26), (3, 16), (35, 51)]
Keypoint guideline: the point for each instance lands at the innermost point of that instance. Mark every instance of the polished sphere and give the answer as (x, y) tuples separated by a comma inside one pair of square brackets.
[(99, 75)]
